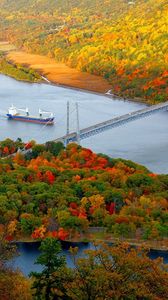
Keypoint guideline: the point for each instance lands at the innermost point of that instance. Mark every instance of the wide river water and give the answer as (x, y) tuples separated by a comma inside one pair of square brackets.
[(144, 141)]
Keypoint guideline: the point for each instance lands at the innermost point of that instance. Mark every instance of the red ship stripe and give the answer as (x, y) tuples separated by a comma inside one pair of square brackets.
[(32, 121)]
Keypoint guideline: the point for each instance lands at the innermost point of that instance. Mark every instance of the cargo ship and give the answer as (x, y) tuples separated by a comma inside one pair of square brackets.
[(44, 117)]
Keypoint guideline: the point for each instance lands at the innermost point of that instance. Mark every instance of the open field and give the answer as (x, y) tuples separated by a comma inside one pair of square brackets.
[(59, 73)]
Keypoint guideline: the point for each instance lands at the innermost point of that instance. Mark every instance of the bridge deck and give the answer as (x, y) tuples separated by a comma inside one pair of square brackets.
[(114, 122)]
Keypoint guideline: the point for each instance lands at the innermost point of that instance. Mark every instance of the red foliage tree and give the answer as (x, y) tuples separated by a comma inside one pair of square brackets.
[(50, 177), (6, 150), (62, 234), (28, 146), (110, 208), (73, 205)]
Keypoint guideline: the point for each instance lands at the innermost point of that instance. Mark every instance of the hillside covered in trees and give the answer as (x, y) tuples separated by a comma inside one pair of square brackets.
[(123, 41), (62, 193), (53, 193)]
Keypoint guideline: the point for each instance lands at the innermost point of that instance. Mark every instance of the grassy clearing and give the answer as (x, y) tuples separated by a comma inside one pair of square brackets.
[(59, 73)]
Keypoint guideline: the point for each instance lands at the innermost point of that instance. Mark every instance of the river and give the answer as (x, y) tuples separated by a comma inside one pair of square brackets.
[(29, 253), (144, 141)]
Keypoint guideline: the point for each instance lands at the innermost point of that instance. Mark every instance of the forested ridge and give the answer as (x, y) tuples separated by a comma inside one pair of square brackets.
[(123, 41), (59, 192)]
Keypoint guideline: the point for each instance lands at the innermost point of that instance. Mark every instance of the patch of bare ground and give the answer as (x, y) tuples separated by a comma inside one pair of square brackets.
[(59, 73)]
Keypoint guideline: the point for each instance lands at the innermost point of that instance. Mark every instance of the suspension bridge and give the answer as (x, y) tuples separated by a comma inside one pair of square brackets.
[(89, 131), (109, 124)]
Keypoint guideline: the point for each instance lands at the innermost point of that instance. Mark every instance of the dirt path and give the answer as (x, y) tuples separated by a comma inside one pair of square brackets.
[(59, 73)]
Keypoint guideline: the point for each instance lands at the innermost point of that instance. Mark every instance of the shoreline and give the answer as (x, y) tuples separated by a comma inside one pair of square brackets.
[(141, 243), (78, 83), (18, 72), (52, 83), (108, 95), (59, 74)]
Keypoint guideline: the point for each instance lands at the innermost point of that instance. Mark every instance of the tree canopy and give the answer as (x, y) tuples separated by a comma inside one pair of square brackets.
[(60, 192)]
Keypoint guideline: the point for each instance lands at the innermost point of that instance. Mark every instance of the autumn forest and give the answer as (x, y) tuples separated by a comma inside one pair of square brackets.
[(62, 192), (53, 195), (123, 41)]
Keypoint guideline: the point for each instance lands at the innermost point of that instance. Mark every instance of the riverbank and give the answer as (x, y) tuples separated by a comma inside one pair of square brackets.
[(19, 72), (15, 70), (149, 244), (102, 237), (59, 73)]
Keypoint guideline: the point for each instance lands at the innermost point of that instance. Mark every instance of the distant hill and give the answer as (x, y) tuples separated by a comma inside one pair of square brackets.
[(124, 41)]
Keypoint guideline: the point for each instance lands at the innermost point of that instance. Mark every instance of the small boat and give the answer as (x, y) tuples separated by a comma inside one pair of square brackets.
[(44, 117)]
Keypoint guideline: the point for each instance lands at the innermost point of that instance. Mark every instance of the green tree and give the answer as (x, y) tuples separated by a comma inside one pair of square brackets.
[(54, 148), (52, 263), (139, 180), (29, 222), (37, 150)]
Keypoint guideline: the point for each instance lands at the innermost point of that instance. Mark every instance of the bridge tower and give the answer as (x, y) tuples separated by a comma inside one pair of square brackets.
[(67, 132), (67, 129), (77, 124), (68, 123)]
